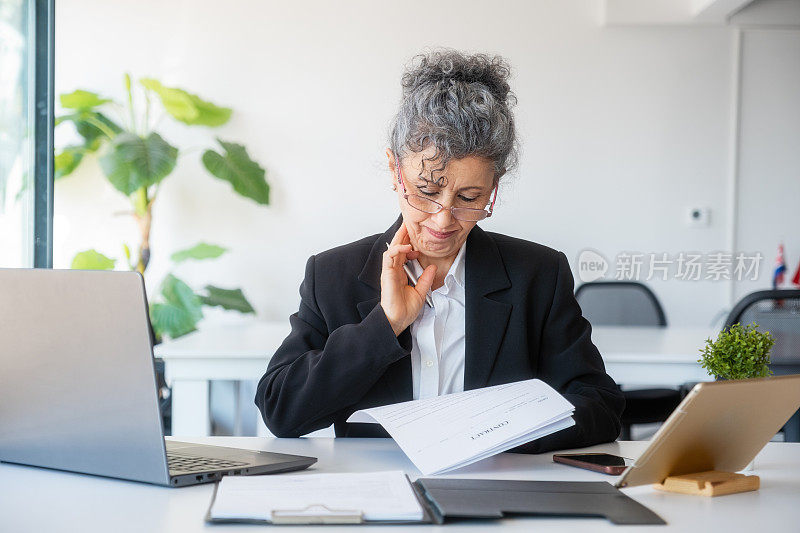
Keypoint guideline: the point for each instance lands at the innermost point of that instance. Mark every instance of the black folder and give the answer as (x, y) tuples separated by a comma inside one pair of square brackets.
[(490, 498), (449, 499)]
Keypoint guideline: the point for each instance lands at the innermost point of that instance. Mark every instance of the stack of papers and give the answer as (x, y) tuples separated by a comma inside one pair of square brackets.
[(447, 432), (376, 496)]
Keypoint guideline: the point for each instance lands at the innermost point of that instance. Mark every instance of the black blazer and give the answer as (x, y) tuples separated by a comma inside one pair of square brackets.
[(522, 322)]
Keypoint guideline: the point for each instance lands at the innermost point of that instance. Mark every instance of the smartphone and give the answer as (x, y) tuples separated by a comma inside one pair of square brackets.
[(599, 462)]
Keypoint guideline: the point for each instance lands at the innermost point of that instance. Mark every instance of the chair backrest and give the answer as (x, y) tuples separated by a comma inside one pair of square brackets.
[(776, 311), (620, 303)]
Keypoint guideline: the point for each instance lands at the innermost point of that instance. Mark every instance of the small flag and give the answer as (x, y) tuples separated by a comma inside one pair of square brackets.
[(796, 277), (780, 268)]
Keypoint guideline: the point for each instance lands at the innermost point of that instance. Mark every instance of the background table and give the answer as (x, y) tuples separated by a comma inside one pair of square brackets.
[(35, 500), (641, 356), (225, 352), (634, 357)]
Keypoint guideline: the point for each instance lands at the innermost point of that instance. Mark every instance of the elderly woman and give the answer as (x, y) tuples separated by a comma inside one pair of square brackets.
[(487, 309)]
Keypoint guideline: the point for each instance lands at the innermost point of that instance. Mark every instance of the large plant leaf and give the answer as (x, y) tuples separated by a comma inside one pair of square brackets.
[(236, 167), (180, 311), (85, 122), (232, 299), (67, 160), (92, 260), (81, 99), (85, 119), (170, 320), (186, 107), (179, 294), (86, 125), (134, 162), (92, 135), (199, 251)]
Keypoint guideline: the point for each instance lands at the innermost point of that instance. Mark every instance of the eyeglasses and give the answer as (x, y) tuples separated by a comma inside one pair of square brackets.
[(426, 205)]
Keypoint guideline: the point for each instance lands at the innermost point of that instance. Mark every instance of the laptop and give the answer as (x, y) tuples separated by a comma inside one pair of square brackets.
[(78, 385), (720, 425)]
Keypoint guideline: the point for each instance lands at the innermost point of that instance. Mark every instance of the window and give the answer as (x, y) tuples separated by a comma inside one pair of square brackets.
[(26, 124)]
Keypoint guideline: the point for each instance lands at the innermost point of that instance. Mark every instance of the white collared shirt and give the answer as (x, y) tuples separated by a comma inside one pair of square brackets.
[(437, 335)]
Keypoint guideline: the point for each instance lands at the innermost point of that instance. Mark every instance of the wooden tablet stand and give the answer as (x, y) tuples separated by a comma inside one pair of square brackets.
[(710, 483)]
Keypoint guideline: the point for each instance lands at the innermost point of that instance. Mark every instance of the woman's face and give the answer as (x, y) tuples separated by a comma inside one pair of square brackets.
[(465, 182)]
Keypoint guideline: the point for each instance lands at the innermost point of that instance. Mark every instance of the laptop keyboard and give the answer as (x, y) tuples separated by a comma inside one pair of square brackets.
[(192, 463)]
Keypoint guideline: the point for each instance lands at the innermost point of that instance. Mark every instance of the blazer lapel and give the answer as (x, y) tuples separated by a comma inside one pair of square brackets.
[(486, 319), (371, 273), (398, 374)]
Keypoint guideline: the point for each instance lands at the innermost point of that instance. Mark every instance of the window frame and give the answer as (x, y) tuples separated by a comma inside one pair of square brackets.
[(44, 123)]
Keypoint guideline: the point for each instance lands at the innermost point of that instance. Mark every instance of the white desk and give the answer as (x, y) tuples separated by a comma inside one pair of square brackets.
[(634, 357), (35, 500)]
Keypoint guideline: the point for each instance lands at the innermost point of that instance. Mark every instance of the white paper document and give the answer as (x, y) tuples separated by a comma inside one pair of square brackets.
[(448, 432), (380, 496)]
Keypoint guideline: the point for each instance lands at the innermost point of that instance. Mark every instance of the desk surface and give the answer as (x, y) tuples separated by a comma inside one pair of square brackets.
[(33, 499)]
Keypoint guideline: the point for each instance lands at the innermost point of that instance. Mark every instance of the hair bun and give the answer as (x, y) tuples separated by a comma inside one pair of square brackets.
[(459, 104), (446, 67)]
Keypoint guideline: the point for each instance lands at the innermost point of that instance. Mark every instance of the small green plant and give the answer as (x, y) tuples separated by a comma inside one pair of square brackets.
[(738, 353)]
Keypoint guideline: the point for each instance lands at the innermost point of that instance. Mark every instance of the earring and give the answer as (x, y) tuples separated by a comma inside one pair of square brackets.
[(394, 187)]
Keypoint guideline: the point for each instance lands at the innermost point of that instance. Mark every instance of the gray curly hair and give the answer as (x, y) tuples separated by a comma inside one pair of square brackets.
[(460, 104)]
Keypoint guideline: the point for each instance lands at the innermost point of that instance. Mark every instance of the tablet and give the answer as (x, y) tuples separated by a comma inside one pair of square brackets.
[(720, 425)]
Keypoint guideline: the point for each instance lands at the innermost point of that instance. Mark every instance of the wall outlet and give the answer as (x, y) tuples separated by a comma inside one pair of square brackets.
[(698, 217)]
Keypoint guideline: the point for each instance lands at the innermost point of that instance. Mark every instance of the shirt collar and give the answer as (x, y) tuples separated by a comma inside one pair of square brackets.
[(456, 272), (457, 269)]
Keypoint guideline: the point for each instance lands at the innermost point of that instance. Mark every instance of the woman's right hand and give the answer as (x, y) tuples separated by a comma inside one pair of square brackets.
[(400, 301)]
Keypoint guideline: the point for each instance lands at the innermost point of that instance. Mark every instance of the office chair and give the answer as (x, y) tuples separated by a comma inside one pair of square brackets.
[(776, 311), (629, 303), (164, 392), (620, 303)]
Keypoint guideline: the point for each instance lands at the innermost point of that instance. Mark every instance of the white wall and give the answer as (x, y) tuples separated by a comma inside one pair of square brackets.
[(623, 130), (769, 155)]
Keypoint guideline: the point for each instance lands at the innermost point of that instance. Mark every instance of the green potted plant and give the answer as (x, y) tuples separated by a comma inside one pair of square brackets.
[(135, 159), (738, 353)]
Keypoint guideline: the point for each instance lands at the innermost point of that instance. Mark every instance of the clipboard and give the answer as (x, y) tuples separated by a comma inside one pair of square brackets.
[(447, 499), (322, 514)]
